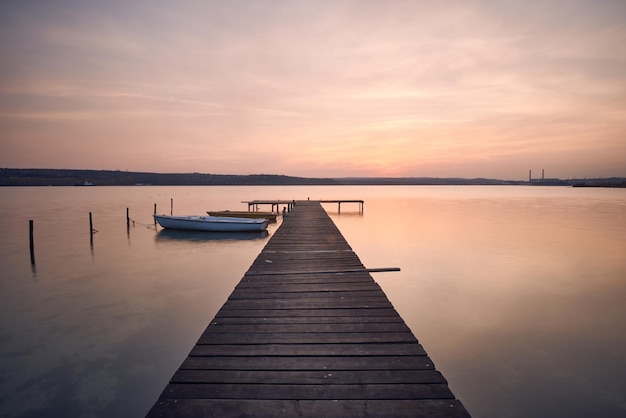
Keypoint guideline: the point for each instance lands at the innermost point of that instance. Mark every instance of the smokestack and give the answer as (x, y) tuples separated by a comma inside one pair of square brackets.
[(542, 174), (530, 175)]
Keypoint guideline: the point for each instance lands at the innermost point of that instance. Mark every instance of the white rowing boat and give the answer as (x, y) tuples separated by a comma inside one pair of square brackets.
[(211, 223)]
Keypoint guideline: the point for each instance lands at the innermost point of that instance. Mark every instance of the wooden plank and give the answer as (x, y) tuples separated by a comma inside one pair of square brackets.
[(306, 320), (263, 287), (326, 256), (309, 377), (337, 279), (324, 294), (308, 338), (415, 408), (368, 312), (309, 349), (334, 328), (274, 361), (303, 269), (308, 391), (319, 303)]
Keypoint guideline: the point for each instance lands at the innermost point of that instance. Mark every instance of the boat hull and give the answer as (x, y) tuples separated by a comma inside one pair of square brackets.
[(211, 223), (271, 216)]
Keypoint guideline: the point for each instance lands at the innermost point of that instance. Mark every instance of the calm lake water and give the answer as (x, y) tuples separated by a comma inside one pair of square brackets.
[(517, 293)]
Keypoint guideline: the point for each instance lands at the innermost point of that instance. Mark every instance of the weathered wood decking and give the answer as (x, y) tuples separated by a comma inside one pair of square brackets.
[(307, 332)]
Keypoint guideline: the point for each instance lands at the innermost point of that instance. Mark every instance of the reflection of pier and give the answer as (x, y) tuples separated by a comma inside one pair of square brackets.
[(253, 205), (307, 332)]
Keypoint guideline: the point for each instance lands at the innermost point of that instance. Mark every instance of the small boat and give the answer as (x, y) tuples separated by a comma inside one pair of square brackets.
[(211, 223), (271, 216)]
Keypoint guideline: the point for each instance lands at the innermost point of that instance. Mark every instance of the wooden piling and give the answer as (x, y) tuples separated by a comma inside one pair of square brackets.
[(32, 241), (90, 229)]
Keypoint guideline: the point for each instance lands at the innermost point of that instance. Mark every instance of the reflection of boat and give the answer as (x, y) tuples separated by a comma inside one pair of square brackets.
[(198, 236), (271, 216), (211, 223)]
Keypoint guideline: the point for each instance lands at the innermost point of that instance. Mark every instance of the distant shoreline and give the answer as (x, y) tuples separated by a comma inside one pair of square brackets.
[(69, 177)]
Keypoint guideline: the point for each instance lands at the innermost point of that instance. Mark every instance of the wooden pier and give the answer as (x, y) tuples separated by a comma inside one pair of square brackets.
[(307, 332), (253, 205)]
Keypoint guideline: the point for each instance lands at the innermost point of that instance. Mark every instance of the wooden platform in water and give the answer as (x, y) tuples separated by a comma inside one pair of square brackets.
[(253, 205), (307, 332)]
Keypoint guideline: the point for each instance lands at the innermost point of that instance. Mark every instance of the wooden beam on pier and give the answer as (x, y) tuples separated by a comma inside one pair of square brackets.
[(253, 205), (305, 342), (339, 202)]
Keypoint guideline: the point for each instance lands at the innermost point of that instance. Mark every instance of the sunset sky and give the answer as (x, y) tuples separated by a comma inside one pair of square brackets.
[(319, 88)]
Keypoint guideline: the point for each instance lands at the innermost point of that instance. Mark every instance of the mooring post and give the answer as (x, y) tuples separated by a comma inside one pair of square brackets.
[(90, 230), (155, 215), (172, 207), (32, 242), (127, 219)]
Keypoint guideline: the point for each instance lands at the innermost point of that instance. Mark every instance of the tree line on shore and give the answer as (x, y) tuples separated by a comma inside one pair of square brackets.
[(68, 177), (65, 177)]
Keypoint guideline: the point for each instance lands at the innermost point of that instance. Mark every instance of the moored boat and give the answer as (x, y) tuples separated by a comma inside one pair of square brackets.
[(271, 216), (211, 223)]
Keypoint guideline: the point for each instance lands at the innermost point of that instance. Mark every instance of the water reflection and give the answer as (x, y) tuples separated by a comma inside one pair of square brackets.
[(517, 293), (530, 283), (198, 236)]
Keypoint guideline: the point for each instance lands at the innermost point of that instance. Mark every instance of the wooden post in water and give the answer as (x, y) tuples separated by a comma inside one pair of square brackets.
[(127, 223), (90, 229), (172, 207), (32, 242), (155, 214)]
